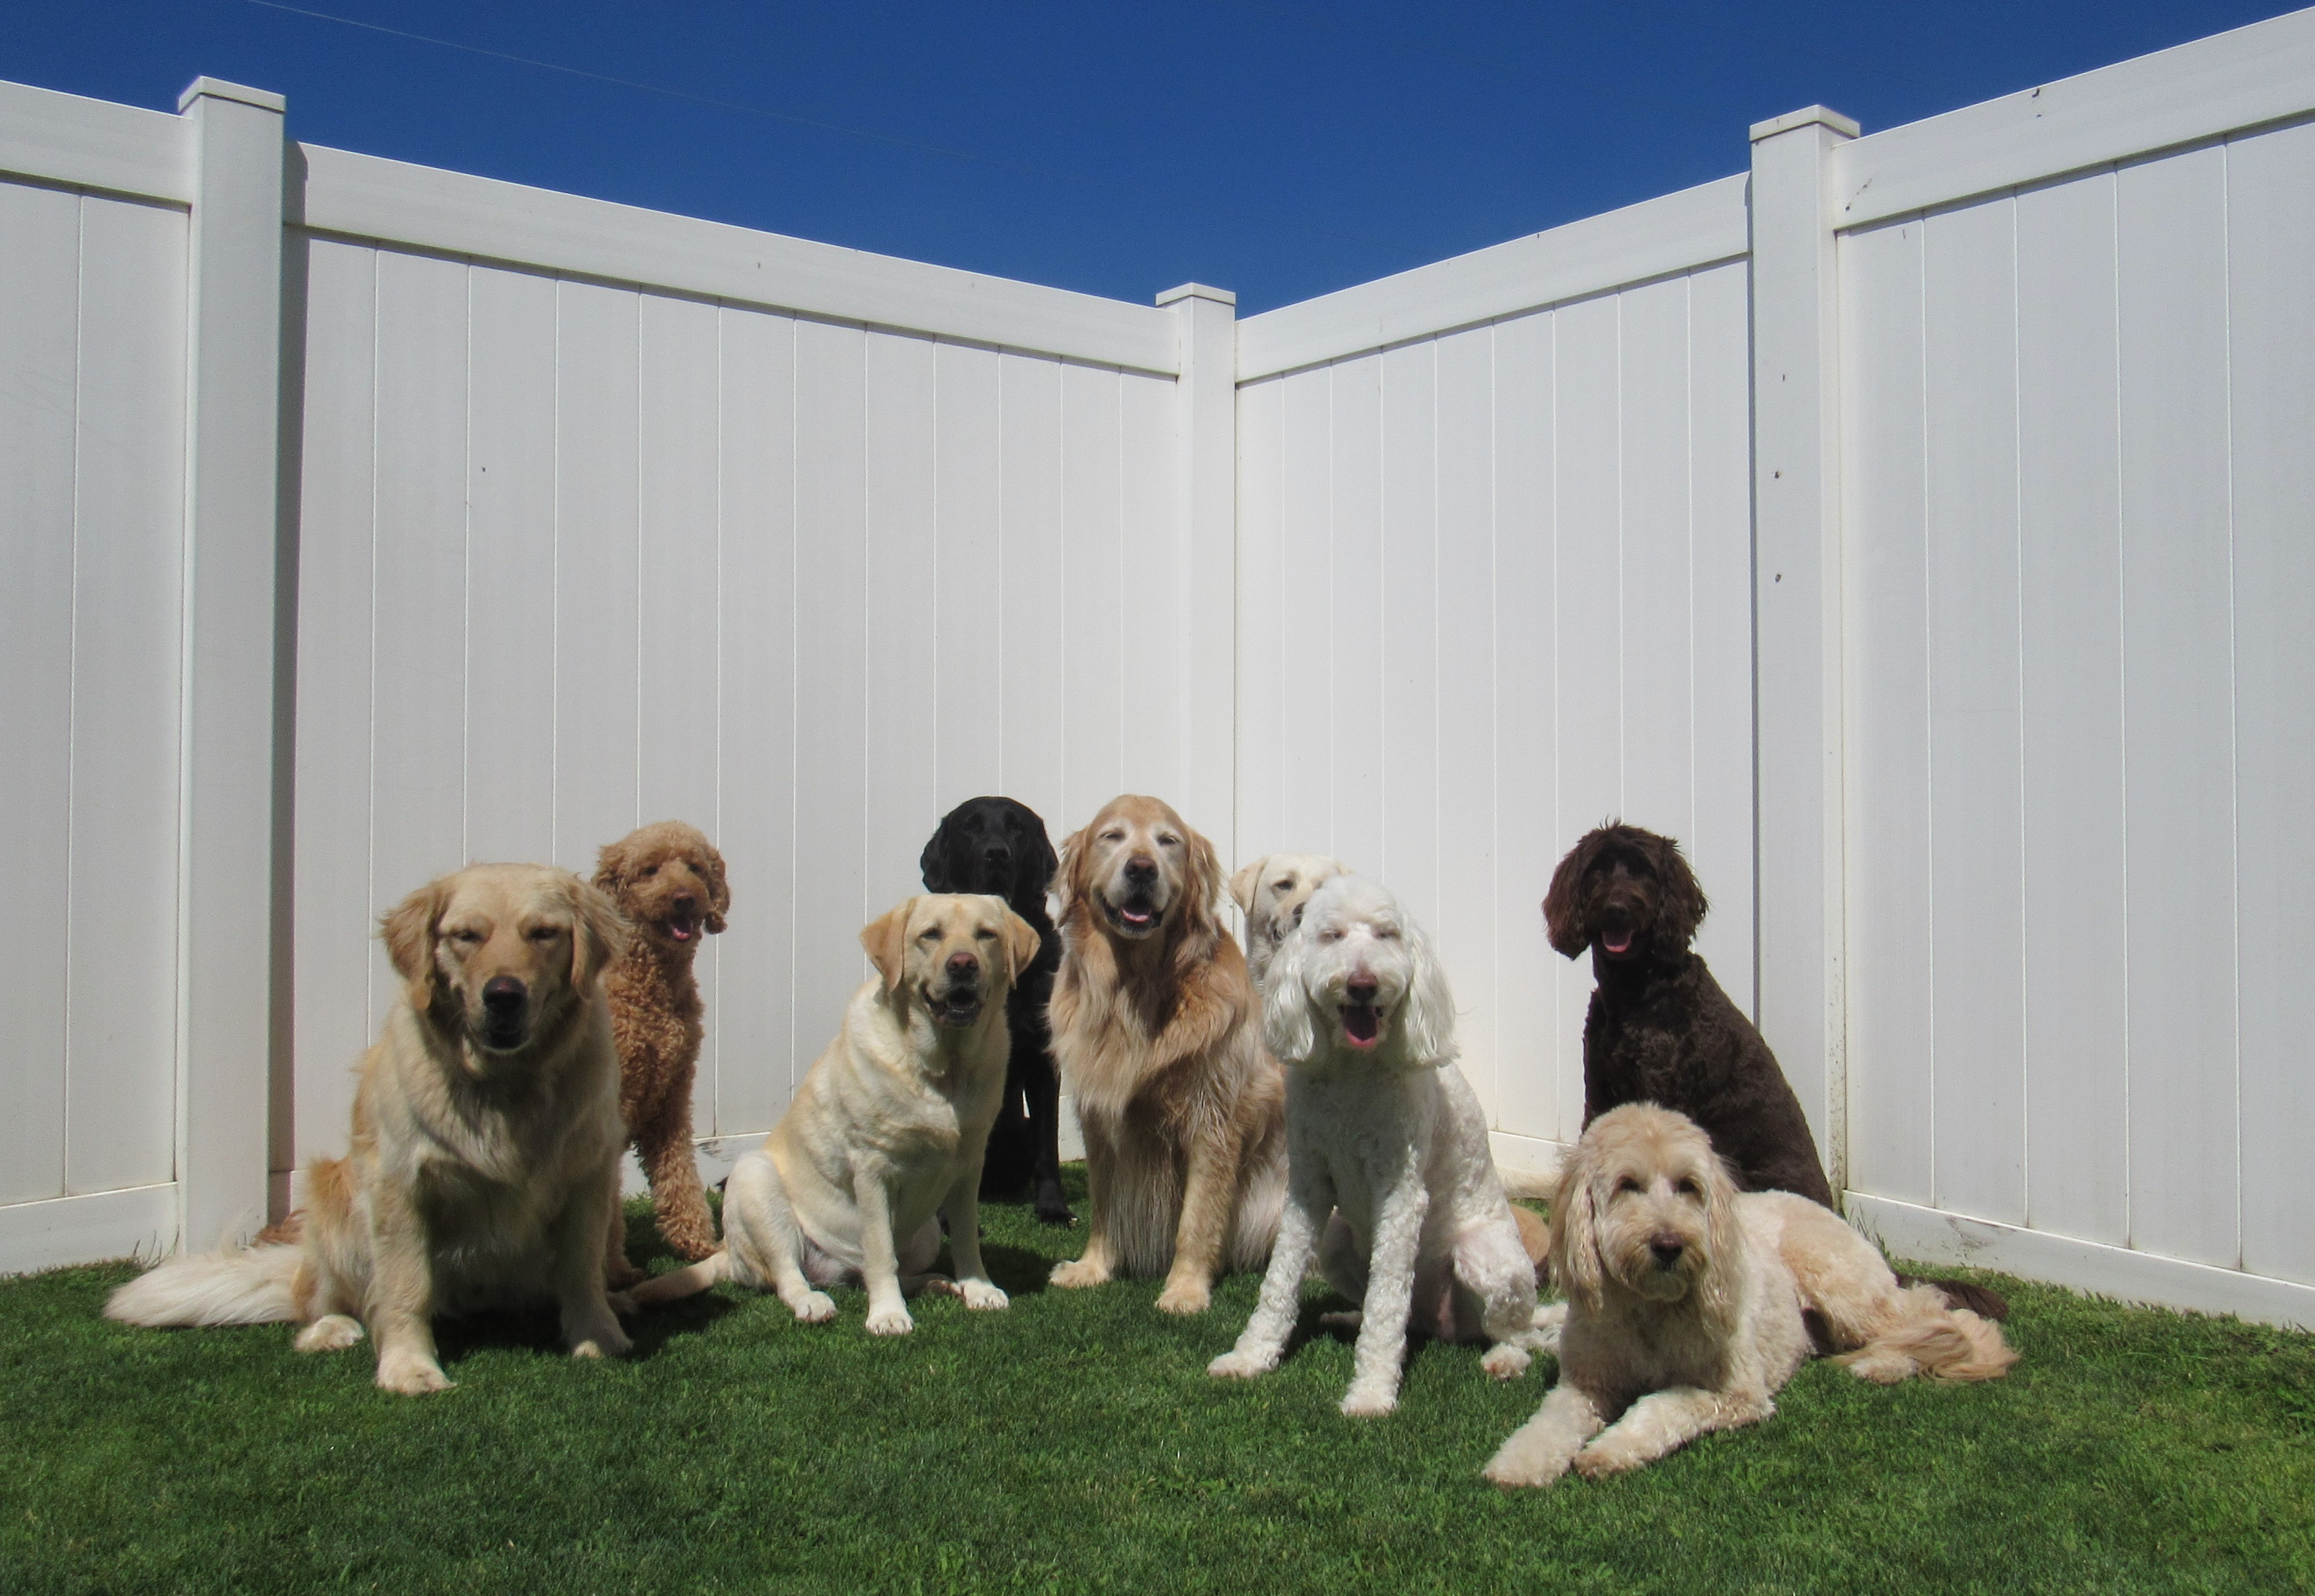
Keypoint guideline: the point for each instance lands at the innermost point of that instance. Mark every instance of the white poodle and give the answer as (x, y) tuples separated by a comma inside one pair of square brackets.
[(1685, 1303), (1384, 1134)]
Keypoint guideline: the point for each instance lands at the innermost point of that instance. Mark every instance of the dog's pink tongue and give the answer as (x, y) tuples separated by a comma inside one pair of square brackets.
[(1361, 1023), (1619, 941)]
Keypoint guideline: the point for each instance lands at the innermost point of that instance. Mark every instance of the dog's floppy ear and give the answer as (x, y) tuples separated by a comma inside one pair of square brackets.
[(934, 860), (719, 890), (1246, 883), (1430, 1022), (1022, 941), (1717, 1292), (1563, 905), (1574, 1250), (1067, 891), (1032, 875), (1202, 892), (611, 866), (408, 931), (1286, 1026), (886, 940), (1683, 906), (599, 933)]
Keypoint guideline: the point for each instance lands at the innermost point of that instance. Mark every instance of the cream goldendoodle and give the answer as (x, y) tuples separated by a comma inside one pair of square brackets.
[(1686, 1299), (1384, 1134)]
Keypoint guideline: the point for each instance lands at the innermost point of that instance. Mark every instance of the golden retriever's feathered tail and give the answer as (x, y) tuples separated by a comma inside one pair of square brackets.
[(254, 1286), (1929, 1338)]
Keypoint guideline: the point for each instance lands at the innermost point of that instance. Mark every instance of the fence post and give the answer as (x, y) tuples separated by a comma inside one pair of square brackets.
[(1206, 468), (225, 784), (1797, 594)]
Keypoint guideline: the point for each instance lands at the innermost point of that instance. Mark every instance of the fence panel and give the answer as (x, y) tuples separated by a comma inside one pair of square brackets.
[(1495, 589), (584, 556), (93, 336)]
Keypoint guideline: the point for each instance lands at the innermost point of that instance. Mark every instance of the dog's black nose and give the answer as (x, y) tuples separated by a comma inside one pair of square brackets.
[(683, 903), (1360, 988), (997, 854), (1142, 870), (1667, 1252), (963, 966), (504, 994)]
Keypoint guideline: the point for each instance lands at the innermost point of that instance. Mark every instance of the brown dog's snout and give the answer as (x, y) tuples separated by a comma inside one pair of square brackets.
[(503, 997), (1142, 870)]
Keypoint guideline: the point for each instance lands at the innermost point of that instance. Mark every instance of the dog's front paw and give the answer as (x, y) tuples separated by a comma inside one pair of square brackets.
[(411, 1374), (983, 1296), (605, 1339), (1369, 1402), (1190, 1296), (332, 1333), (1076, 1272), (890, 1321), (814, 1307), (1609, 1455), (1520, 1464), (1506, 1362), (1239, 1366)]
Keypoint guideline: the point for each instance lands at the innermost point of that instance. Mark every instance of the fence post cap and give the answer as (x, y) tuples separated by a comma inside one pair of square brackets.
[(217, 88), (1807, 116), (1196, 291)]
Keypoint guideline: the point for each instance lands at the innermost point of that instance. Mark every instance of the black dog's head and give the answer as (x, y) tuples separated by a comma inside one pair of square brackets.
[(992, 845), (1627, 890)]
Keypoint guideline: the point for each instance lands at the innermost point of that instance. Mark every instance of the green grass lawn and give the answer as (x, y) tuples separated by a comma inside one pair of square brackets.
[(1074, 1443)]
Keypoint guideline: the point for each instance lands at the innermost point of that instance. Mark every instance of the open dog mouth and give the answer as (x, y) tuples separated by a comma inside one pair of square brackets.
[(682, 926), (1136, 916), (1617, 938), (959, 1006), (502, 1038), (1361, 1024)]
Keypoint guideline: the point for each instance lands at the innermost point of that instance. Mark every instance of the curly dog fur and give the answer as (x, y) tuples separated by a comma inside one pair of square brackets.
[(669, 881), (1690, 1302)]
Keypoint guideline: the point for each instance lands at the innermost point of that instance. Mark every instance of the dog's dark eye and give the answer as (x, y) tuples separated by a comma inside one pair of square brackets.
[(1169, 842), (650, 871), (932, 935), (1689, 1188), (1284, 886), (1385, 933), (545, 933), (1627, 1185), (464, 939), (1112, 836), (984, 935)]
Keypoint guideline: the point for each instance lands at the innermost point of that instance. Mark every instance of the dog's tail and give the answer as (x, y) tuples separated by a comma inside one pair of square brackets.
[(1534, 1238), (688, 1282), (252, 1286), (1983, 1301), (1929, 1338)]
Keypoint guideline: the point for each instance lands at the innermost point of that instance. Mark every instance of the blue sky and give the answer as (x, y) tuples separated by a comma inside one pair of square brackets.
[(1278, 147)]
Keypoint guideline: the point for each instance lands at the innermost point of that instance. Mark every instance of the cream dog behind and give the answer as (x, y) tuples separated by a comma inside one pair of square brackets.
[(1271, 893), (1687, 1298), (486, 1140), (1383, 1131), (888, 1127)]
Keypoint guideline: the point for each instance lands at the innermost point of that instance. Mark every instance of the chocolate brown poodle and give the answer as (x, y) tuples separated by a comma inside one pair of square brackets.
[(1661, 1030), (669, 881)]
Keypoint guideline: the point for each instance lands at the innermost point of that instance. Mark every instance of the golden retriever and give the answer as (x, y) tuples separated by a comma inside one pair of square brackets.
[(1159, 1037), (1271, 893), (1689, 1303), (486, 1140), (888, 1127)]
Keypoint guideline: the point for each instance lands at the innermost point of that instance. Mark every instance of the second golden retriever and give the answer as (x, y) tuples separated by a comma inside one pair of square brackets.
[(1158, 1036)]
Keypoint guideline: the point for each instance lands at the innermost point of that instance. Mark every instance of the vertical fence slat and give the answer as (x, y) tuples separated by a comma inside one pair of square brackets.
[(2178, 722), (40, 337), (1030, 714), (971, 602), (902, 660), (2071, 572), (1402, 723), (2270, 254)]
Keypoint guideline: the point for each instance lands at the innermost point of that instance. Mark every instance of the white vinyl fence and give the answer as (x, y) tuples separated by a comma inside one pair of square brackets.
[(1921, 526)]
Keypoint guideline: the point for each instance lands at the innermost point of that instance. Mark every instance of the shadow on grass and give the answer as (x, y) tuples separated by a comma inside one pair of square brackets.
[(540, 1329)]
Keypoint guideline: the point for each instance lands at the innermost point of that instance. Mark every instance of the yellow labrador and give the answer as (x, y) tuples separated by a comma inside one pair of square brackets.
[(486, 1138), (888, 1129)]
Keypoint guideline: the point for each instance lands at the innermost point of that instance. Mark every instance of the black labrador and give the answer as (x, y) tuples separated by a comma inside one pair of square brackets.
[(995, 845)]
